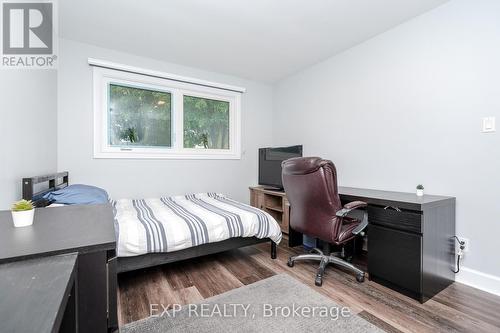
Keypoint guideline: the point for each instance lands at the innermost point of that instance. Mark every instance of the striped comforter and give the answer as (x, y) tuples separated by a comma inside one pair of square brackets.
[(175, 223)]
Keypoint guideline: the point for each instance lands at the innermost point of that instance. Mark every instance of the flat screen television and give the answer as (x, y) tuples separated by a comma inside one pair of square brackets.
[(270, 164)]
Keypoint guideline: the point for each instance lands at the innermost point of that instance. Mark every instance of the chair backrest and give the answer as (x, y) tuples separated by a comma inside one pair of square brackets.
[(311, 187)]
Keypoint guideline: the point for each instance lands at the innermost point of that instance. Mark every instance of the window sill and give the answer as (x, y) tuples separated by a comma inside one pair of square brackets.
[(171, 156)]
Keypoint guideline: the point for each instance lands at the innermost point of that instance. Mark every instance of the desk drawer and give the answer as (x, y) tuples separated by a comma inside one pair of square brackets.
[(396, 257), (402, 220)]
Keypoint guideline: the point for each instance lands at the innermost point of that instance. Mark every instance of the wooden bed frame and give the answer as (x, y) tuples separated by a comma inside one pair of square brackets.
[(34, 188)]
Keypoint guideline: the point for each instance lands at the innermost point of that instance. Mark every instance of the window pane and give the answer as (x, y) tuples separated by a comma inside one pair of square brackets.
[(139, 117), (206, 123)]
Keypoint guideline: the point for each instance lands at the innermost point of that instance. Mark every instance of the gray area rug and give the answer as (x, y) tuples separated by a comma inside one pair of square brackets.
[(276, 304)]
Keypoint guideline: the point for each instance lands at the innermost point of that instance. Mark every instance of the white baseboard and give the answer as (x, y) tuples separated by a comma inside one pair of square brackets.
[(486, 282)]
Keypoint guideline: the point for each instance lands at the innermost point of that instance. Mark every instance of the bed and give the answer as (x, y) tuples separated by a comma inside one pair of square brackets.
[(158, 231)]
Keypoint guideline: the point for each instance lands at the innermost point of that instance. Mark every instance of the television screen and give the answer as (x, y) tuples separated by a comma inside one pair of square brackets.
[(270, 164)]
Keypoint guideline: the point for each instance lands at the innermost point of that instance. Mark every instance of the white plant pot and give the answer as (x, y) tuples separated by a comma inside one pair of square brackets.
[(23, 218), (420, 193)]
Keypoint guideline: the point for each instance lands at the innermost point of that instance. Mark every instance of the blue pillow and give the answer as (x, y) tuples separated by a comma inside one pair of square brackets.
[(78, 194)]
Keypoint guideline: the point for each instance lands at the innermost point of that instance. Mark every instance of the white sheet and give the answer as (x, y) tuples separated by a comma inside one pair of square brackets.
[(176, 223)]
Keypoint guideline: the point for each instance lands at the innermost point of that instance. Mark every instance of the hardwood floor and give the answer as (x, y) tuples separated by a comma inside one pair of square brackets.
[(458, 308)]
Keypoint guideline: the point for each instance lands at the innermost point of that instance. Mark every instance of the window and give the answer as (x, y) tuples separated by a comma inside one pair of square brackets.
[(148, 116), (139, 117), (206, 123)]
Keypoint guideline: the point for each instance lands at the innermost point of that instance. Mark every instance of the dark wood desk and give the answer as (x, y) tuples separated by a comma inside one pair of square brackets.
[(87, 230), (402, 200), (410, 239), (38, 295)]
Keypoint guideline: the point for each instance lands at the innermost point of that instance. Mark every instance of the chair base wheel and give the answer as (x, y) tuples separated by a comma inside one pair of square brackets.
[(290, 263), (318, 281), (360, 278)]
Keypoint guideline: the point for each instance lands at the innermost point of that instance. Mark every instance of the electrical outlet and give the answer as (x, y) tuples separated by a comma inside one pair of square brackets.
[(466, 245)]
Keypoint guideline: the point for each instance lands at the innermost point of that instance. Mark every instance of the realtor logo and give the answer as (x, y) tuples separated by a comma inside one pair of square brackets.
[(28, 34)]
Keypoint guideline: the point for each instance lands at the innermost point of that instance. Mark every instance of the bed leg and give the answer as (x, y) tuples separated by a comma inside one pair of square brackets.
[(273, 250)]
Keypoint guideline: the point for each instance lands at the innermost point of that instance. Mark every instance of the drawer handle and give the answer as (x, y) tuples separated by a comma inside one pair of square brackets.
[(392, 207)]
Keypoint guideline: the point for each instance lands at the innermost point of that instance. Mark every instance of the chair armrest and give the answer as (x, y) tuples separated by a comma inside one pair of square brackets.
[(361, 226), (350, 207)]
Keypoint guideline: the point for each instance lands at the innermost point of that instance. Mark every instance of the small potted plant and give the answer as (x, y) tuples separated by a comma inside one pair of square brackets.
[(23, 212), (420, 190)]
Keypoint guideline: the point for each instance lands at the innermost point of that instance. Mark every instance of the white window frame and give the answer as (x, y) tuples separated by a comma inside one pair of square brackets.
[(103, 77)]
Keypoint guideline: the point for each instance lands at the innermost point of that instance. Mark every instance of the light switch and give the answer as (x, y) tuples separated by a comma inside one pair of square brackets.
[(489, 124)]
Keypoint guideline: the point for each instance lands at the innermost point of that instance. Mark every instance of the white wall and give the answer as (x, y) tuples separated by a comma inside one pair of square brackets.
[(405, 108), (151, 178), (28, 121)]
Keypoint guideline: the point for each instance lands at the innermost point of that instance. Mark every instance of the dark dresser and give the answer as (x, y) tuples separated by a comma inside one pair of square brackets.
[(86, 230), (411, 247)]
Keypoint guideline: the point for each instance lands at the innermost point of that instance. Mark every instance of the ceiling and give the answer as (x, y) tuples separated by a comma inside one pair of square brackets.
[(263, 40)]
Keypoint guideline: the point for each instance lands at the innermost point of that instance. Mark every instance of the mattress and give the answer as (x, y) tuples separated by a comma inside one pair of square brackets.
[(175, 223)]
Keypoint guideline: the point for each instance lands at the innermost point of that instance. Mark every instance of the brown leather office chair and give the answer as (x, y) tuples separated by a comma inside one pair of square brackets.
[(311, 187)]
